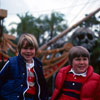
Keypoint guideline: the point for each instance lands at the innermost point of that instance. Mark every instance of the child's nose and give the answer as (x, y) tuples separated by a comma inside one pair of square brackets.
[(28, 50), (81, 61)]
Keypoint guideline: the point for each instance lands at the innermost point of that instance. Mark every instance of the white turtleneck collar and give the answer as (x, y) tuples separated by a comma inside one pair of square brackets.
[(30, 65)]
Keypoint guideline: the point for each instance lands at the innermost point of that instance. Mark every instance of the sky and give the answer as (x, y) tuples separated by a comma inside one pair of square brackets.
[(74, 10)]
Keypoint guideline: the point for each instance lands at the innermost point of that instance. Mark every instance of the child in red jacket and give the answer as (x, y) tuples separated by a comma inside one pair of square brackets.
[(77, 81)]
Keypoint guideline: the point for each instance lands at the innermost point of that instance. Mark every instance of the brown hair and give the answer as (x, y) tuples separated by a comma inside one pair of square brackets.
[(31, 41), (77, 51)]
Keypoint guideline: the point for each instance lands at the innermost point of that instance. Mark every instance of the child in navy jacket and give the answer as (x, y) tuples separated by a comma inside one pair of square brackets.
[(22, 77)]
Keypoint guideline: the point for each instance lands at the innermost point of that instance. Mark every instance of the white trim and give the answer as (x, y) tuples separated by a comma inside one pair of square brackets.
[(38, 84), (4, 66)]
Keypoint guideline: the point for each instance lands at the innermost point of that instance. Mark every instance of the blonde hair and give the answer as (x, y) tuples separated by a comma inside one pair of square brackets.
[(31, 41)]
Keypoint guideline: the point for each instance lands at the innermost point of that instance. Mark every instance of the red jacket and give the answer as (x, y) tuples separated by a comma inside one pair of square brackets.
[(90, 89)]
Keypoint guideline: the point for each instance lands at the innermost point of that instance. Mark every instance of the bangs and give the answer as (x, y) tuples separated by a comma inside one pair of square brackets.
[(28, 43), (78, 51), (80, 54)]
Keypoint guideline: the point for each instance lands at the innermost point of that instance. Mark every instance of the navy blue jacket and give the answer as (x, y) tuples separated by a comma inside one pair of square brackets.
[(13, 79)]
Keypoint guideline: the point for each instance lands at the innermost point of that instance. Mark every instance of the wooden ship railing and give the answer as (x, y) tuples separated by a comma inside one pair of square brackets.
[(54, 59)]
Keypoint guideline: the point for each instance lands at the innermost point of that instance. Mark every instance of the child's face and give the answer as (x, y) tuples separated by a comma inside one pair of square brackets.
[(28, 53), (80, 64)]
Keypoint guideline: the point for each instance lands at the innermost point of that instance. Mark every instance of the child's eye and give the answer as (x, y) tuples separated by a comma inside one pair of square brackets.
[(31, 48), (78, 59), (24, 48), (28, 48), (85, 58)]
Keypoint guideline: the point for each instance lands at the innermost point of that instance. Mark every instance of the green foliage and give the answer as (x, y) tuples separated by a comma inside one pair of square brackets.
[(40, 26), (93, 21), (95, 58), (5, 30), (54, 24)]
